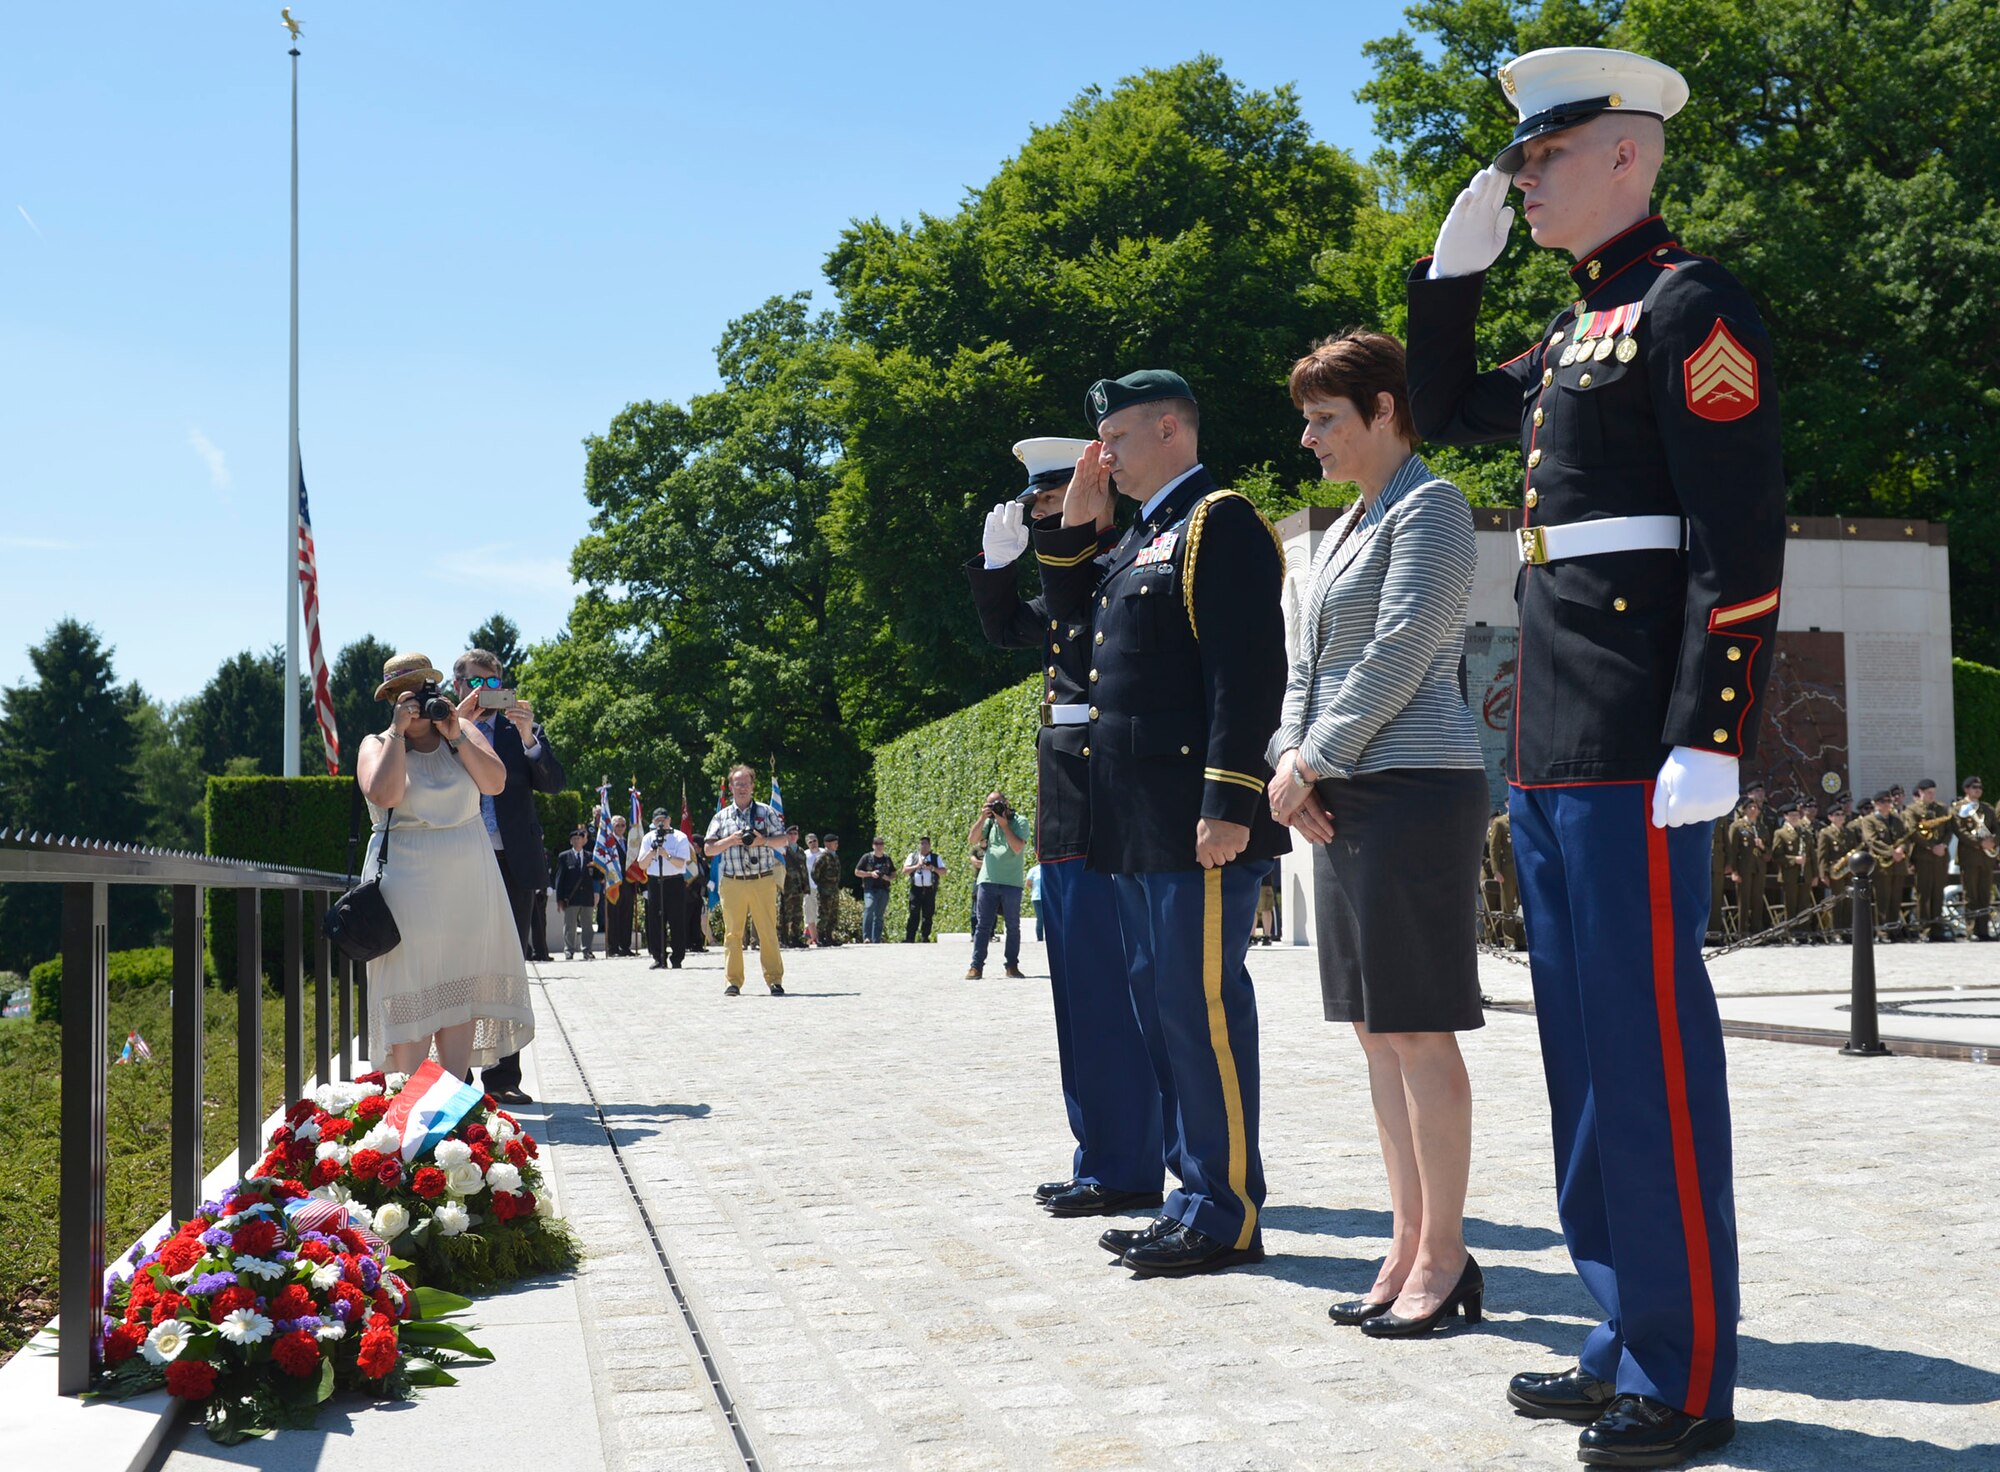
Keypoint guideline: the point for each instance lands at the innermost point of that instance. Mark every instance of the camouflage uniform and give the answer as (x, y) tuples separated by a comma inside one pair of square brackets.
[(792, 903), (826, 880)]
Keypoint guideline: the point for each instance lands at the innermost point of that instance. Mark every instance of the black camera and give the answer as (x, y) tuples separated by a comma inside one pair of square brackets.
[(432, 703), (998, 809)]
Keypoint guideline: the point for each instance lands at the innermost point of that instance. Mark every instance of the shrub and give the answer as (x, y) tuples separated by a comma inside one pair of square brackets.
[(932, 780), (128, 971), (1975, 697)]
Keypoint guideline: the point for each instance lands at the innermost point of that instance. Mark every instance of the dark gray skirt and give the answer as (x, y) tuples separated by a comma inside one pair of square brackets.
[(1394, 896)]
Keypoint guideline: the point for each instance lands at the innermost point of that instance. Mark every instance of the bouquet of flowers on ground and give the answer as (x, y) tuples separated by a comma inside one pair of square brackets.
[(437, 1169), (263, 1304)]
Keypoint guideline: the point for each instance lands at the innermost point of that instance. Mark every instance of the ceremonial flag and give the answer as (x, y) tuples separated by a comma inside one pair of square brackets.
[(777, 797), (687, 821), (428, 1106), (635, 821), (309, 593), (604, 849), (315, 1214)]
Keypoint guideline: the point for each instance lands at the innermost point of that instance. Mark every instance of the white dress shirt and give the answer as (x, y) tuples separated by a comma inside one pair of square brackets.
[(666, 853)]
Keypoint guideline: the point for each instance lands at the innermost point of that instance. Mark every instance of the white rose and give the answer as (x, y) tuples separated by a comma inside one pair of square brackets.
[(325, 1276), (465, 1179), (307, 1132), (332, 1150), (544, 1208), (392, 1219), (244, 1326), (499, 1129), (452, 1152), (338, 1194), (165, 1342), (384, 1138), (503, 1177), (369, 1091), (396, 1081), (451, 1218)]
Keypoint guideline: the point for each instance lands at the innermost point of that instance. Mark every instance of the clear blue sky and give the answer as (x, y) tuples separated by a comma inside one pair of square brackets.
[(516, 219)]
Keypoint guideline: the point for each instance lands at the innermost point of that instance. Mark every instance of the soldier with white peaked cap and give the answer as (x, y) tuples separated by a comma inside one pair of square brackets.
[(1653, 543)]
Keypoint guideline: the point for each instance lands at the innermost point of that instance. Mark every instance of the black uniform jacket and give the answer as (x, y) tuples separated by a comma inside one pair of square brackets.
[(1625, 655), (1186, 677), (514, 808), (1062, 773)]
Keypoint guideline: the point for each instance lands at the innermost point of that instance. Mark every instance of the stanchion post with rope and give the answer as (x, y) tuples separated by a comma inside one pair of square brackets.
[(1864, 1040)]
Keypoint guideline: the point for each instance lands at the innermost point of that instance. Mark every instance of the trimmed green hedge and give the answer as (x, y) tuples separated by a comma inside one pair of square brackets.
[(1975, 698), (128, 970), (302, 821), (933, 779)]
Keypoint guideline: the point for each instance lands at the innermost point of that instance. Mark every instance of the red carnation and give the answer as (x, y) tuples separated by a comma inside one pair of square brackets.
[(326, 1171), (483, 1155), (428, 1182), (374, 1076), (144, 1289), (377, 1356), (190, 1379), (300, 1112), (509, 1118), (237, 1205), (282, 1134), (300, 1151), (316, 1252), (228, 1301), (289, 1190), (352, 1240), (383, 1303), (364, 1163), (527, 1203), (296, 1353), (178, 1254), (534, 1150), (488, 1103), (257, 1236), (333, 1129), (194, 1226), (517, 1153), (293, 1302), (122, 1343), (476, 1133), (271, 1164), (390, 1171), (350, 1294), (169, 1307), (371, 1109), (504, 1206)]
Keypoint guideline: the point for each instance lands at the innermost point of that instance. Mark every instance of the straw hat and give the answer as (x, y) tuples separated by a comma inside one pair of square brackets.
[(406, 672)]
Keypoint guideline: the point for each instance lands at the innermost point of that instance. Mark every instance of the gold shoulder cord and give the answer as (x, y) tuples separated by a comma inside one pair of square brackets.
[(1196, 519)]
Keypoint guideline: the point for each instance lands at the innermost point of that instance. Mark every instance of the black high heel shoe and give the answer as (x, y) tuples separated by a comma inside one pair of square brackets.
[(1469, 1294), (1358, 1310)]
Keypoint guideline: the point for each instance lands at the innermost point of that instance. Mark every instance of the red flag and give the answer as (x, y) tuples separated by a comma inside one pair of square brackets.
[(687, 821), (309, 593)]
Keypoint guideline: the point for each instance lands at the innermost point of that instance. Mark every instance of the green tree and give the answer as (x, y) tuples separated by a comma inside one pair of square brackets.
[(1174, 221), (66, 751), (240, 714), (501, 636), (1839, 156), (352, 678), (166, 771), (710, 630)]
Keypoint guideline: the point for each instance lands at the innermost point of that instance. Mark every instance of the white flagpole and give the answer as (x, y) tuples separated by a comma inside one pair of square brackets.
[(291, 692)]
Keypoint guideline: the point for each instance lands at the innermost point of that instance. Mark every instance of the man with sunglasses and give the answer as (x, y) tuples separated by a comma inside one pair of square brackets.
[(1111, 1085), (511, 824)]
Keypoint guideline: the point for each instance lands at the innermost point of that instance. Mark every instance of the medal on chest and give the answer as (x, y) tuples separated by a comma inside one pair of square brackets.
[(1160, 549), (1606, 334)]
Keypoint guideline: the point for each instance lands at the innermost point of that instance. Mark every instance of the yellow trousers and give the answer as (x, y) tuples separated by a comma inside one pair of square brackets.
[(752, 899)]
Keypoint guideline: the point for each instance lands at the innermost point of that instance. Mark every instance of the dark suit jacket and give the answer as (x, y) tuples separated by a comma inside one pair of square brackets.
[(573, 876), (514, 808)]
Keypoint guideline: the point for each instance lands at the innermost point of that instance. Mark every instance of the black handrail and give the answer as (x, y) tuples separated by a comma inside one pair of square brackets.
[(85, 869)]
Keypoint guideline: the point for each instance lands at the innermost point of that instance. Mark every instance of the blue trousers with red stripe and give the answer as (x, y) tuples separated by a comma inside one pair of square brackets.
[(1124, 1128), (1186, 935), (1616, 910)]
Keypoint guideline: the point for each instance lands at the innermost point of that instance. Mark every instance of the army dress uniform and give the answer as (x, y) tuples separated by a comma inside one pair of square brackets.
[(1500, 855), (1883, 836), (1749, 860), (1978, 835), (1795, 854), (1652, 548), (1834, 844), (1928, 823), (1185, 687), (1117, 1094)]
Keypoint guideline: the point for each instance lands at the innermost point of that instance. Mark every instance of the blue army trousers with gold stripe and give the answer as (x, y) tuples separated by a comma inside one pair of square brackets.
[(1186, 935)]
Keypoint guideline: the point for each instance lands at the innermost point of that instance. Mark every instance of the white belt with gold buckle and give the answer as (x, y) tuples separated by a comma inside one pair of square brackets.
[(1539, 544)]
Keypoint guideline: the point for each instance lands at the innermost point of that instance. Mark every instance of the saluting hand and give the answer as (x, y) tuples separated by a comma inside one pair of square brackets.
[(1088, 500), (1217, 842), (1475, 232), (1005, 538)]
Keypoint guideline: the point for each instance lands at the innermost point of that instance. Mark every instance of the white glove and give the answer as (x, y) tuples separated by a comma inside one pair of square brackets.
[(1005, 538), (1693, 787), (1475, 232)]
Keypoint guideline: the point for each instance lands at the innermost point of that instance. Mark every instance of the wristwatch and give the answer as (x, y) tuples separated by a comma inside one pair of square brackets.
[(1299, 777)]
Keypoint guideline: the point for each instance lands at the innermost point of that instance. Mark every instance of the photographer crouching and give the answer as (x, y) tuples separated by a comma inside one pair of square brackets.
[(1003, 835)]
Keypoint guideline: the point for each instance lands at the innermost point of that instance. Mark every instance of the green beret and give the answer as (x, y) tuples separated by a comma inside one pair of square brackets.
[(1108, 395)]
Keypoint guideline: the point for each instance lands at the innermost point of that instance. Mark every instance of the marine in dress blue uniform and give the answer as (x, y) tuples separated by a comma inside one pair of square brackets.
[(1653, 545), (1185, 682), (1123, 1121)]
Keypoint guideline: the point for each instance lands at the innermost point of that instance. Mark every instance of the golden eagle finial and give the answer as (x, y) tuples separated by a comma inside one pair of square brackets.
[(291, 25)]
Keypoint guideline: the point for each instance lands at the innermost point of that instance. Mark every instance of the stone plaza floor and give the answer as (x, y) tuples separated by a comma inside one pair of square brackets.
[(840, 1181)]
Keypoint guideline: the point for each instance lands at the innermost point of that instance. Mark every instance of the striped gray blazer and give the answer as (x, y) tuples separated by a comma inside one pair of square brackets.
[(1382, 634)]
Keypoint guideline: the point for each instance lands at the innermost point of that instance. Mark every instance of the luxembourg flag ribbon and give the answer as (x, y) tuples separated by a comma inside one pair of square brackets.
[(428, 1106)]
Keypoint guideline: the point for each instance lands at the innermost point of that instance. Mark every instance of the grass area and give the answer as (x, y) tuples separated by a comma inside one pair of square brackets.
[(140, 1139)]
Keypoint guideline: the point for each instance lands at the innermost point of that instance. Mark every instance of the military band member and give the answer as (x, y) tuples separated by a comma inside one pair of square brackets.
[(1881, 832), (1112, 1091), (1978, 852), (1928, 823), (1835, 842), (1749, 866), (1653, 543), (1185, 685), (1500, 855), (1795, 855)]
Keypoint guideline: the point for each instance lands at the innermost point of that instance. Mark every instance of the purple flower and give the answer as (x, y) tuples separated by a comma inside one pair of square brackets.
[(310, 1323), (371, 1275), (287, 1255), (210, 1284), (341, 1309), (215, 1237)]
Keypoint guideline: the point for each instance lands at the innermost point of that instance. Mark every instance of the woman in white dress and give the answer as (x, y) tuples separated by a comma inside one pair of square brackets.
[(457, 981)]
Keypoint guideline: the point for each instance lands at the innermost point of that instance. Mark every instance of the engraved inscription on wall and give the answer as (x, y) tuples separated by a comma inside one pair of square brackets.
[(1885, 708)]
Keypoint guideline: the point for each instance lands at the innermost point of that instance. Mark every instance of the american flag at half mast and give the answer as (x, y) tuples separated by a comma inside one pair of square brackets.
[(309, 595)]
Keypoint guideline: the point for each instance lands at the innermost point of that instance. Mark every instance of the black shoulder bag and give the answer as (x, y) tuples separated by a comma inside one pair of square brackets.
[(359, 921)]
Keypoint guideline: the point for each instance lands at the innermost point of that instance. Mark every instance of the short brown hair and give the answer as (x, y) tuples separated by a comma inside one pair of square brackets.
[(1357, 365), (741, 767)]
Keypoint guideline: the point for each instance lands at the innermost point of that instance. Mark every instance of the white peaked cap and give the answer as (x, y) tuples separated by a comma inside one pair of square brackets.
[(1045, 457), (1561, 86)]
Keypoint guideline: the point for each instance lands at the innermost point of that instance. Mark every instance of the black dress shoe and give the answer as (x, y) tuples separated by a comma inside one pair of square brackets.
[(1120, 1240), (1358, 1310), (1568, 1396), (516, 1095), (1049, 1190), (1638, 1431), (1183, 1250), (1093, 1199), (1469, 1294)]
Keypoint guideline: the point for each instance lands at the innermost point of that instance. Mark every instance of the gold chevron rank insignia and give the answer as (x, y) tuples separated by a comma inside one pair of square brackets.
[(1721, 377)]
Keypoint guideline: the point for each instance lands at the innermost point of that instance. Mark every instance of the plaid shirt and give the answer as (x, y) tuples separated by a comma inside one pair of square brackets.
[(745, 862)]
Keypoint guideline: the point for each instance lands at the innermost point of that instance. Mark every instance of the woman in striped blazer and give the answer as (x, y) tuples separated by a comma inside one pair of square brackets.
[(1378, 764)]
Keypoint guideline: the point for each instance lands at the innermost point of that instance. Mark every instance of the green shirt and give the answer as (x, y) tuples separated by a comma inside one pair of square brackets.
[(1002, 865)]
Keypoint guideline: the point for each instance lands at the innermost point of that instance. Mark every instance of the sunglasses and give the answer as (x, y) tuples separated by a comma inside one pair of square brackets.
[(485, 682)]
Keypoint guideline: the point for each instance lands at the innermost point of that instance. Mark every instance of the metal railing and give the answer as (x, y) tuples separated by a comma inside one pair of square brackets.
[(85, 869)]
